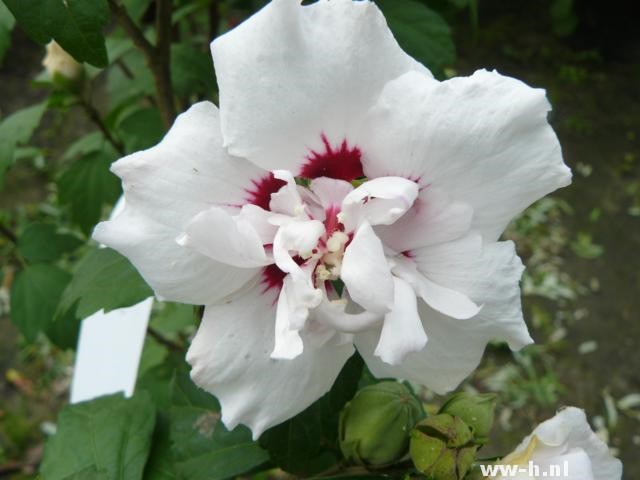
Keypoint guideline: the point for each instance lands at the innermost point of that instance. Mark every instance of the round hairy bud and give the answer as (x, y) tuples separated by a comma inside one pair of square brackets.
[(477, 411), (375, 425)]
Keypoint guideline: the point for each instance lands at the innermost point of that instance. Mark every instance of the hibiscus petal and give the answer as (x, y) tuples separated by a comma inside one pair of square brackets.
[(288, 343), (332, 313), (483, 139), (445, 300), (230, 356), (402, 330), (167, 185), (330, 192), (259, 220), (380, 201), (434, 218), (300, 237), (187, 172), (570, 429), (287, 200), (365, 272), (578, 466), (487, 274), (226, 239), (285, 78), (174, 272), (455, 347)]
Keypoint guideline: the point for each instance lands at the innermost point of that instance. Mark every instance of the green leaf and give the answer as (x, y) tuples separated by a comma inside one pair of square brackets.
[(461, 3), (191, 71), (190, 442), (103, 279), (61, 99), (92, 142), (17, 129), (564, 18), (64, 330), (307, 444), (141, 129), (202, 448), (35, 295), (122, 91), (110, 435), (208, 450), (158, 381), (173, 317), (89, 473), (117, 47), (421, 32), (136, 8), (364, 476), (41, 243), (160, 465), (153, 354), (6, 26), (20, 125), (86, 186), (75, 24)]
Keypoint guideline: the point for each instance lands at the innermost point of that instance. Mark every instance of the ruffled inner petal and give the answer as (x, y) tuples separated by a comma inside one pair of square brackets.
[(366, 273), (443, 299), (333, 314), (291, 315), (227, 239), (402, 330), (380, 201)]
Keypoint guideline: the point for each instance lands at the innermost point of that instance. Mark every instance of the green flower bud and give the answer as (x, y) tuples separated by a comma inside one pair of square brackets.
[(375, 425), (477, 411), (475, 473), (442, 447)]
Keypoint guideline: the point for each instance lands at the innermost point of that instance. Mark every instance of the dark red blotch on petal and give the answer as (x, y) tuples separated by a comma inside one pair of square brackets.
[(331, 223), (260, 194), (342, 163), (272, 278)]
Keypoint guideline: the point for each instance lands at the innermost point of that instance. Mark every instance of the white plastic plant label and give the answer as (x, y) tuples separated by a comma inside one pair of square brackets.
[(109, 348)]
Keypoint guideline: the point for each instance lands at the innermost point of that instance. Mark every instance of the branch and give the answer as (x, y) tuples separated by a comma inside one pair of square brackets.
[(11, 467), (131, 29), (162, 60), (6, 232), (161, 339), (214, 19), (158, 57), (95, 117)]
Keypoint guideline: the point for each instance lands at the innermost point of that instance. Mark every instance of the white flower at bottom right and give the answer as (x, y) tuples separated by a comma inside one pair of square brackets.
[(563, 447)]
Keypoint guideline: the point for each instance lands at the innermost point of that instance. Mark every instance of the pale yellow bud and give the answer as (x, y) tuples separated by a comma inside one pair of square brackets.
[(59, 62)]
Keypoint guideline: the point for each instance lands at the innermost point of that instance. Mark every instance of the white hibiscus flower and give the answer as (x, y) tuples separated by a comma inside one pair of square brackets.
[(563, 447), (340, 196)]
